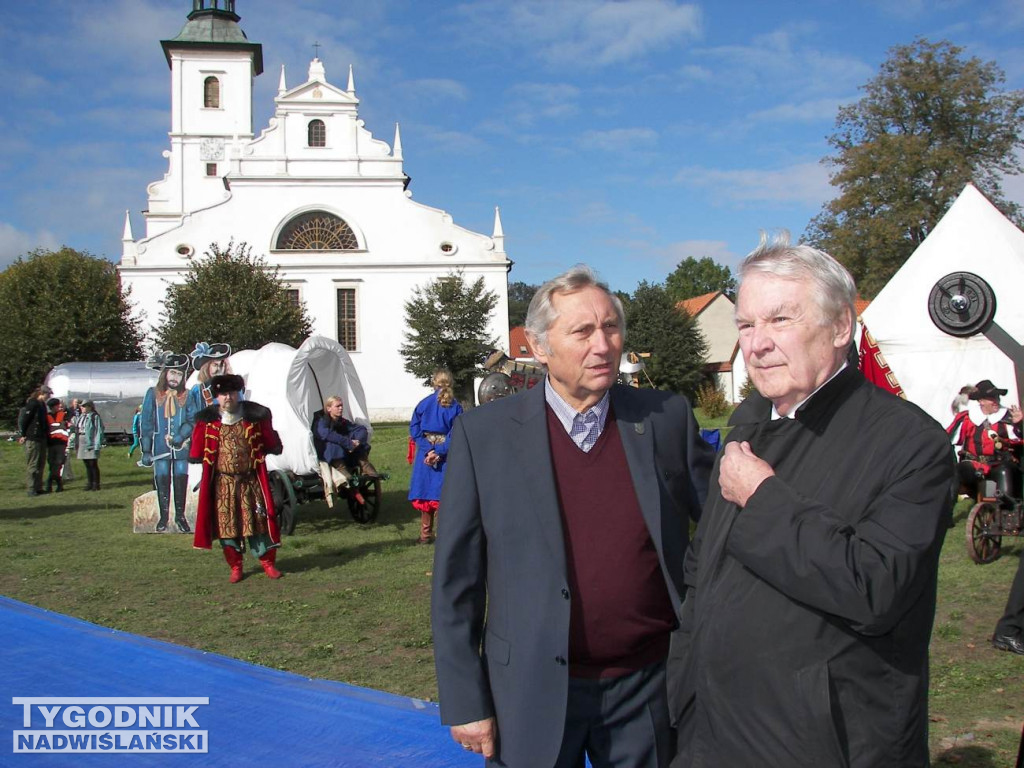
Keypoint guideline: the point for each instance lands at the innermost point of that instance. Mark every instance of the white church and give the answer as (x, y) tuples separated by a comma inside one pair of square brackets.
[(315, 194)]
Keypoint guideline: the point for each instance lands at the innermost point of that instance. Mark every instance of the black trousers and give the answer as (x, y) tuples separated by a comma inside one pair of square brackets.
[(1012, 622), (618, 722), (92, 472)]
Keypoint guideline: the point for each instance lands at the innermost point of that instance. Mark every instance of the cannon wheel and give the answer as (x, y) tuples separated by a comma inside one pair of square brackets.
[(982, 546), (284, 501), (367, 512)]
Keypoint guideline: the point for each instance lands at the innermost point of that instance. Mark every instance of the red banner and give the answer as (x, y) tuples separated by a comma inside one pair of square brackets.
[(873, 365)]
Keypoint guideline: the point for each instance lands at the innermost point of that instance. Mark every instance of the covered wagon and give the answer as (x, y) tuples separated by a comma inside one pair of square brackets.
[(294, 383)]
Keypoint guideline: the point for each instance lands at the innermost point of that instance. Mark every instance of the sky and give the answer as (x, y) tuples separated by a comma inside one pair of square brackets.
[(628, 135)]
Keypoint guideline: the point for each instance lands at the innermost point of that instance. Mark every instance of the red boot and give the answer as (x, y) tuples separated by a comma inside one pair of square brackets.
[(234, 558), (267, 561)]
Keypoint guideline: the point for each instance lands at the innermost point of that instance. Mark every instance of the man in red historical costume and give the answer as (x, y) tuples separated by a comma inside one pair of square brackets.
[(232, 440), (989, 437)]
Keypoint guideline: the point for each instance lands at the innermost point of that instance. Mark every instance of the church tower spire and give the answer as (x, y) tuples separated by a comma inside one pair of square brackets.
[(212, 25), (213, 65)]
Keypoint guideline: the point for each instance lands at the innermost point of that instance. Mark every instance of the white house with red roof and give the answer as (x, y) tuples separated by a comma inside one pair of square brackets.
[(714, 315)]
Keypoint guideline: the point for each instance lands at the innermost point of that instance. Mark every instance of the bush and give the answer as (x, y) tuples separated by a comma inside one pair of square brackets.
[(712, 400), (747, 389)]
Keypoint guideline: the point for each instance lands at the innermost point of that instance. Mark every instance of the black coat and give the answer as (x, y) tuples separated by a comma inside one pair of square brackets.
[(809, 611), (32, 422)]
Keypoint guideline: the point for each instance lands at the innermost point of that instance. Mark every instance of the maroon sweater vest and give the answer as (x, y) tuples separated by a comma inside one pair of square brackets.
[(621, 612)]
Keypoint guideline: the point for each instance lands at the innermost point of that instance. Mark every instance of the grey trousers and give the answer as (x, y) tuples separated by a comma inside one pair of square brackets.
[(35, 457), (619, 722)]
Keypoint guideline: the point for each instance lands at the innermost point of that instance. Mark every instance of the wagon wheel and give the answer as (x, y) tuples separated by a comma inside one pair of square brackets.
[(983, 546), (366, 512), (284, 501)]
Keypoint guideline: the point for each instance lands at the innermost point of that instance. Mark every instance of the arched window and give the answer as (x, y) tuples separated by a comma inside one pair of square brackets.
[(211, 92), (317, 133), (317, 231)]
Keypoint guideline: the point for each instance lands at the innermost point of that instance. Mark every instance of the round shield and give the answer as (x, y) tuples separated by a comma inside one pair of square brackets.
[(493, 387)]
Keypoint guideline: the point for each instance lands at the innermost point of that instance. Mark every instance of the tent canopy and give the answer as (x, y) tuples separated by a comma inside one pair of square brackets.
[(931, 365)]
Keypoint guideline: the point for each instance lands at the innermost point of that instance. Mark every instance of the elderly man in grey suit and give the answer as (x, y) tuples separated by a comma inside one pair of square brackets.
[(558, 567)]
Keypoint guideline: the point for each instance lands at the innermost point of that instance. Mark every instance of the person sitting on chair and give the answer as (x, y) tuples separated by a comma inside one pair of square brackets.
[(343, 444), (989, 437)]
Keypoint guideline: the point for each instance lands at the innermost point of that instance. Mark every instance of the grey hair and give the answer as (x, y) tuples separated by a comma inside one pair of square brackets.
[(541, 315), (835, 290)]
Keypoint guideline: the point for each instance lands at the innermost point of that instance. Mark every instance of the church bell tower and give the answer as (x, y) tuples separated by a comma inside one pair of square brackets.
[(213, 65)]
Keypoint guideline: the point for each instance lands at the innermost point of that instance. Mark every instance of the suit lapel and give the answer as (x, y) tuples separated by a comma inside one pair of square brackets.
[(637, 435), (529, 434)]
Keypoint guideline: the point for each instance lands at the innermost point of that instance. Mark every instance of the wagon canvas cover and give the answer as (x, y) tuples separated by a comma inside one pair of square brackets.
[(294, 383)]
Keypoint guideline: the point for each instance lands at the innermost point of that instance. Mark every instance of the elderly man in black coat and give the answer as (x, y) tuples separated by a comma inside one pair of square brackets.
[(811, 582)]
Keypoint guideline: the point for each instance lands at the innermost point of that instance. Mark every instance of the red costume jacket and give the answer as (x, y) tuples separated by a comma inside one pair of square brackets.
[(263, 440), (980, 446)]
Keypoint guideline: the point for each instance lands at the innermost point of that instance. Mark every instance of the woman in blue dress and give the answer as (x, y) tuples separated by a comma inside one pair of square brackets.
[(431, 429)]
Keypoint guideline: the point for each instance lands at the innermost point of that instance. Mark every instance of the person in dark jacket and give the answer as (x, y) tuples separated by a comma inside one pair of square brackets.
[(558, 562), (35, 431), (811, 581), (343, 444)]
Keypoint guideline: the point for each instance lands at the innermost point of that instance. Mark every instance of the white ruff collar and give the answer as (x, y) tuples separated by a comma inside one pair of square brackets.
[(978, 418), (231, 418)]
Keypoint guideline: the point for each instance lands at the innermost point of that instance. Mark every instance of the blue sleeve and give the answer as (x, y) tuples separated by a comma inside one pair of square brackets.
[(423, 445), (453, 413)]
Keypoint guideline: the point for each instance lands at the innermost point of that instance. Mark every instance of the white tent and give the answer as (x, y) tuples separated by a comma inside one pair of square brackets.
[(930, 365), (294, 383)]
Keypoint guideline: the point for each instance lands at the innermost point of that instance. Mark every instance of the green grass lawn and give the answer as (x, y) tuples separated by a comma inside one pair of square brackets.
[(353, 605)]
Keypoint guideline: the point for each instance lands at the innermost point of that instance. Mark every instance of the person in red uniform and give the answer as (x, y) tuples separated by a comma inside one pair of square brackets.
[(989, 438), (232, 440), (56, 443)]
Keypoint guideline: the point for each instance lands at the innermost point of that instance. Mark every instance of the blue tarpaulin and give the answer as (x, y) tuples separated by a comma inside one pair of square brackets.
[(255, 715), (712, 437)]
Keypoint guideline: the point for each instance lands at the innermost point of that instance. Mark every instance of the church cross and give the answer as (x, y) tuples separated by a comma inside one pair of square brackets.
[(316, 50)]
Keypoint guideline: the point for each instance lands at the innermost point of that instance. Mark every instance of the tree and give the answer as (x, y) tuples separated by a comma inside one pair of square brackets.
[(695, 277), (230, 297), (519, 297), (930, 122), (57, 307), (677, 346), (448, 321)]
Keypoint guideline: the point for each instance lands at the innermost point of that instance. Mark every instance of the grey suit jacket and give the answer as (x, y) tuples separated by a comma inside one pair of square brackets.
[(500, 600)]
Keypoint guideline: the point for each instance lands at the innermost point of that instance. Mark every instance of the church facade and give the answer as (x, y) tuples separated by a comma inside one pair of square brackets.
[(315, 194)]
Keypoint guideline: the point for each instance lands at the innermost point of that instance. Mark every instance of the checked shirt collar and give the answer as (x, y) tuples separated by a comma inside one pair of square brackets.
[(583, 428)]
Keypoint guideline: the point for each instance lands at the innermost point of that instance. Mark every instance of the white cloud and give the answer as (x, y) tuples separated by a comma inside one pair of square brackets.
[(718, 250), (14, 242), (619, 139), (585, 33), (527, 103), (782, 57), (429, 137), (813, 111), (599, 214), (436, 88), (801, 183)]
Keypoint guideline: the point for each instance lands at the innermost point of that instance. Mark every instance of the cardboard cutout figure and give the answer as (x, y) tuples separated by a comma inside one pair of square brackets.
[(208, 360), (163, 412)]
